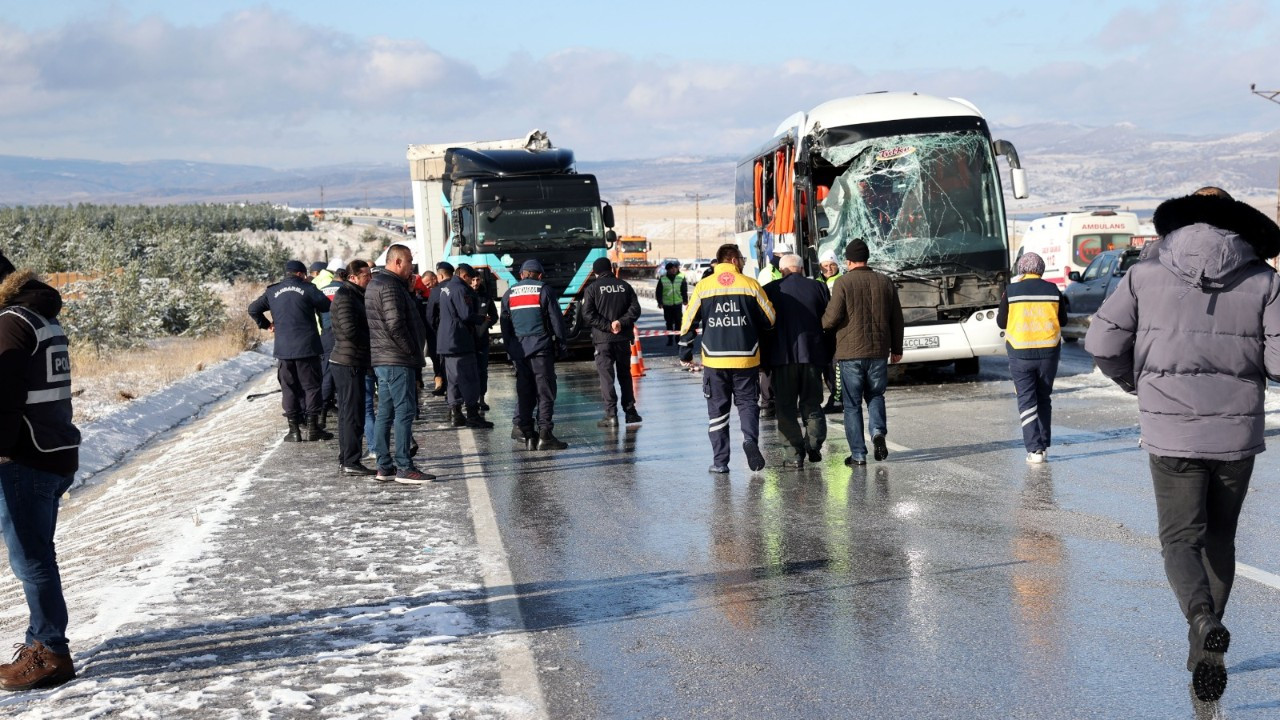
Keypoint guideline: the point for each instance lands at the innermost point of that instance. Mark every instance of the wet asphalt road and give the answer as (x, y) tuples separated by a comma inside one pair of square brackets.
[(951, 581)]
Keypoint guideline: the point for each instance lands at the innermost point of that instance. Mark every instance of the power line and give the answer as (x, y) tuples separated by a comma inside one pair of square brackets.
[(1273, 96)]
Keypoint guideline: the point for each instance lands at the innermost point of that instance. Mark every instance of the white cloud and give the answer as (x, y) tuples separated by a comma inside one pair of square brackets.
[(264, 87)]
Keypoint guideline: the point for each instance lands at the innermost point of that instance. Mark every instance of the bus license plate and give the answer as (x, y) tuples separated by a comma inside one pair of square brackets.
[(920, 342)]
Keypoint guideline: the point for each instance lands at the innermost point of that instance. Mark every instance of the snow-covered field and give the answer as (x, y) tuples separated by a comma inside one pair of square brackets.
[(222, 573)]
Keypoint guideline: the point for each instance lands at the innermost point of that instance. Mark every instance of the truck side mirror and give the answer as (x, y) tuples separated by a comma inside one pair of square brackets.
[(610, 237), (608, 215), (457, 241)]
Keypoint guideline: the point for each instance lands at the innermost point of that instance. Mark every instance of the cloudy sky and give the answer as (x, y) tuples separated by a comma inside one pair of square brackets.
[(296, 84)]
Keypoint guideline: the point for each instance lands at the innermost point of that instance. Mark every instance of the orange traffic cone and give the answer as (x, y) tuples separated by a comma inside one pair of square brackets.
[(637, 359)]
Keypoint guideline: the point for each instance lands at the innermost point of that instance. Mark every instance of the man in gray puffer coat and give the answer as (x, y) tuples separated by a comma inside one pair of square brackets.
[(1192, 331)]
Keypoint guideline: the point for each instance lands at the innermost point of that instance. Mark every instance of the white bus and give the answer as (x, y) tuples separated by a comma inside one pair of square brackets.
[(916, 178), (1069, 241)]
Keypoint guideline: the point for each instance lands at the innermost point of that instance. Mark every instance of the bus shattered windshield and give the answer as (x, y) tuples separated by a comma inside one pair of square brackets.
[(922, 202)]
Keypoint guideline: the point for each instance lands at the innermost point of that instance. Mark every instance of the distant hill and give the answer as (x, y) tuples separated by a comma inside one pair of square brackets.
[(1067, 165)]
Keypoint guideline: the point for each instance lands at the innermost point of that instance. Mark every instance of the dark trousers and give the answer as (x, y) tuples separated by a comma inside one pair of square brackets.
[(482, 367), (370, 392), (613, 362), (1198, 505), (722, 387), (672, 315), (1033, 381), (300, 387), (28, 519), (766, 388), (327, 388), (798, 397), (463, 376), (349, 387), (535, 387)]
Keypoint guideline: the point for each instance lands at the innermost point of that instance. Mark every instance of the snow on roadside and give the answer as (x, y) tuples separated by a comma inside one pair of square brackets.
[(110, 438)]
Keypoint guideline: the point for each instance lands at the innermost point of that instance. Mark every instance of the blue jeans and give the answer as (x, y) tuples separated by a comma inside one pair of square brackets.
[(864, 378), (370, 388), (28, 518), (398, 403)]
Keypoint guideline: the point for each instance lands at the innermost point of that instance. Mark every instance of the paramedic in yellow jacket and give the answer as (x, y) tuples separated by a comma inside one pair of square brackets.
[(734, 314), (1031, 314)]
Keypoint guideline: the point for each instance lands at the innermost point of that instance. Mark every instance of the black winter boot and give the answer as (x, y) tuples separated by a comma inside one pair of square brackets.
[(314, 431), (295, 432), (458, 418), (525, 436), (475, 419), (548, 441)]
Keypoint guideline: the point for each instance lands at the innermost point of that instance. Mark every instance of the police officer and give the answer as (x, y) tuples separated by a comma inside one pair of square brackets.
[(458, 315), (610, 308), (295, 306), (672, 294), (734, 314), (534, 334), (327, 388), (39, 455)]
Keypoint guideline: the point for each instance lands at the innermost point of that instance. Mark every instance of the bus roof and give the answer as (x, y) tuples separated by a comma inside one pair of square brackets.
[(882, 106)]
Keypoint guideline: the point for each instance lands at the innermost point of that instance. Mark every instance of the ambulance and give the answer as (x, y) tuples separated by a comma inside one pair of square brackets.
[(1069, 241)]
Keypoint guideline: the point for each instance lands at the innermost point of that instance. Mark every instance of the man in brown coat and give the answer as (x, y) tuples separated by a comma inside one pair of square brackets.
[(867, 318)]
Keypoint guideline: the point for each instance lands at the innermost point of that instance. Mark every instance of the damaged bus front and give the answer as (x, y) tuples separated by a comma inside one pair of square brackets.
[(916, 178)]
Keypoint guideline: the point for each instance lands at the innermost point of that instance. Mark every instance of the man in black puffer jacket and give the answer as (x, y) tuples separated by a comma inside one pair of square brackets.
[(1192, 332), (349, 363), (295, 306), (396, 342), (458, 315)]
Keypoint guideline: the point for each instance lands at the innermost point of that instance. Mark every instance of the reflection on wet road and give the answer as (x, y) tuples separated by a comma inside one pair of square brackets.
[(952, 581)]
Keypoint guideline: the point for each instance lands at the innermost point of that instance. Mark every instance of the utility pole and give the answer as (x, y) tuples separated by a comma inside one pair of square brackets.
[(1273, 96), (626, 214), (697, 199), (322, 200)]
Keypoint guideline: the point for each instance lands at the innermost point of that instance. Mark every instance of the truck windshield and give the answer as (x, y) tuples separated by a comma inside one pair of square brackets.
[(927, 202), (635, 246), (536, 225)]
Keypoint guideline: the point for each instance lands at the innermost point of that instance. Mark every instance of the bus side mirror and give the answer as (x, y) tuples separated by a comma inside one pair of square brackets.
[(608, 215), (1019, 183)]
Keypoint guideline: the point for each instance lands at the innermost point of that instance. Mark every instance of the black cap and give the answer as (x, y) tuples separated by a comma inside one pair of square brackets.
[(445, 267), (531, 265), (319, 265), (602, 266), (295, 266), (465, 269), (6, 267), (673, 264), (857, 251)]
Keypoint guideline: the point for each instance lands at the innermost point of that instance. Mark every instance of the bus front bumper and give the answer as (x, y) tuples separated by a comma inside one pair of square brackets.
[(978, 335)]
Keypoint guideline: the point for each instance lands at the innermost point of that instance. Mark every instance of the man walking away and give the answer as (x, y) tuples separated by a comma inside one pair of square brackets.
[(798, 355), (734, 314), (1193, 333), (1032, 313), (673, 295), (458, 317), (610, 308), (396, 341), (295, 306), (534, 334), (349, 364), (867, 317), (39, 455)]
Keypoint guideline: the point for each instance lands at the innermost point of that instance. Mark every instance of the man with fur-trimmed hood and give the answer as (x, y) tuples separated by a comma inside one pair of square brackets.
[(39, 455), (1192, 331)]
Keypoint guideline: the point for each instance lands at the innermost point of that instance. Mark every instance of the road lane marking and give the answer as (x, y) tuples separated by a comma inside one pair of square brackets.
[(518, 669), (1259, 576)]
